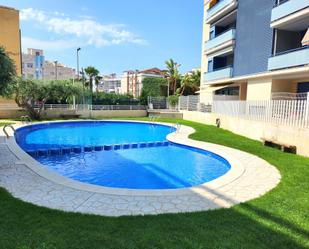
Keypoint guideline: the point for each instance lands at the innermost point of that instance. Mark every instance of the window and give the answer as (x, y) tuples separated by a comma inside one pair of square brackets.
[(210, 65), (211, 34)]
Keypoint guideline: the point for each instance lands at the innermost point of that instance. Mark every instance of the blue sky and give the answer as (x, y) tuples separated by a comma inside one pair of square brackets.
[(115, 35)]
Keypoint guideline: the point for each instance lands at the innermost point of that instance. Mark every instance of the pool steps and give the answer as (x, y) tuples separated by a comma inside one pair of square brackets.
[(78, 150)]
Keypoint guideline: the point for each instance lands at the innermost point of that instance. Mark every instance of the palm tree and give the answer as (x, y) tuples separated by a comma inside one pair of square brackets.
[(190, 83), (173, 74), (92, 73)]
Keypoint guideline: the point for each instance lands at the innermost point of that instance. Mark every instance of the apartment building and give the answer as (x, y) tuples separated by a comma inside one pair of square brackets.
[(34, 66), (10, 34), (253, 50), (110, 84), (33, 63), (53, 70), (132, 80), (10, 39)]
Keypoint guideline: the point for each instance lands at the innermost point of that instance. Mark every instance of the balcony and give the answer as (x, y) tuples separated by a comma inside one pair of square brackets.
[(221, 73), (292, 58), (289, 12), (220, 9), (221, 41)]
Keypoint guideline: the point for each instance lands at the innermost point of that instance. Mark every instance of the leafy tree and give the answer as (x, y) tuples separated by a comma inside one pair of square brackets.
[(153, 87), (32, 95), (190, 83), (114, 99), (173, 74), (7, 71), (173, 100), (92, 73)]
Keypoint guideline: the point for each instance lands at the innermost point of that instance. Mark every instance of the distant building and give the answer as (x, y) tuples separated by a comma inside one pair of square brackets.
[(110, 84), (55, 70), (34, 66), (131, 81)]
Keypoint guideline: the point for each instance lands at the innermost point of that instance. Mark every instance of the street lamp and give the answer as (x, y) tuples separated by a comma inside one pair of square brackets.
[(77, 55), (56, 69), (77, 58)]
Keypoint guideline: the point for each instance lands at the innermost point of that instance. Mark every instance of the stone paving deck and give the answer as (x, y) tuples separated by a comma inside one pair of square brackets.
[(251, 177)]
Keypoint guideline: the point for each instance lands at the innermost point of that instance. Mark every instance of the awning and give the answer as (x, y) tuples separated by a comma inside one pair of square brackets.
[(305, 40), (211, 89)]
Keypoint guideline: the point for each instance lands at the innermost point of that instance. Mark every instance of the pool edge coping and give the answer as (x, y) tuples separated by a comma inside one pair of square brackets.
[(180, 137)]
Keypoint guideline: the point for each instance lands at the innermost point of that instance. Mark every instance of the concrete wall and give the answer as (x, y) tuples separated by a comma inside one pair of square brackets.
[(259, 89), (56, 113), (256, 130), (206, 29), (11, 113), (284, 86)]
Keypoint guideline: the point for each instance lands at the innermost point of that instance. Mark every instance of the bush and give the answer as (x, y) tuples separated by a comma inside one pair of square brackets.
[(113, 99), (153, 87), (173, 100)]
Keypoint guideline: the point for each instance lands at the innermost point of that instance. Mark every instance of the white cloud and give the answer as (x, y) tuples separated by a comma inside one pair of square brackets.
[(57, 45), (87, 31)]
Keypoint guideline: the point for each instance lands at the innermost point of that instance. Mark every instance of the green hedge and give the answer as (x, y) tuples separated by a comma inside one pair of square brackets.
[(153, 87)]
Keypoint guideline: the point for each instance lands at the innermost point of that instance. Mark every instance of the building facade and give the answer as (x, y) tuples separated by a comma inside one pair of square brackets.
[(34, 66), (33, 63), (132, 80), (254, 50), (10, 35), (110, 84)]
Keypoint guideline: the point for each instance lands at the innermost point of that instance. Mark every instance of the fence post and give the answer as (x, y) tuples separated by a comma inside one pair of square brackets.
[(188, 102), (307, 111)]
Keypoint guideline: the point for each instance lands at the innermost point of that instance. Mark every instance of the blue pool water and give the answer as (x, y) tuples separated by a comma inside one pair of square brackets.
[(151, 166)]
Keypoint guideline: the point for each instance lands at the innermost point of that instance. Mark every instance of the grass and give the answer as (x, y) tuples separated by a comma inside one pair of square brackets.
[(279, 219)]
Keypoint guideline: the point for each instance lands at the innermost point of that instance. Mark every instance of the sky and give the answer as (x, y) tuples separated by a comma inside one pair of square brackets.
[(114, 35)]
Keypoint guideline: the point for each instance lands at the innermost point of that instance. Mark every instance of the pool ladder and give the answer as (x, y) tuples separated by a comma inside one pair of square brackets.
[(25, 119), (8, 126), (154, 118)]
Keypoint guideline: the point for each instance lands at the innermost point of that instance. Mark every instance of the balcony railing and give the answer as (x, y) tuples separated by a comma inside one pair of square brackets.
[(288, 8), (220, 39), (221, 73), (291, 58), (217, 7)]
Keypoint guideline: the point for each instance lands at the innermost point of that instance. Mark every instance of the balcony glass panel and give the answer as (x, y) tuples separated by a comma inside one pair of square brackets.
[(220, 5), (222, 38), (289, 59), (288, 8), (219, 74)]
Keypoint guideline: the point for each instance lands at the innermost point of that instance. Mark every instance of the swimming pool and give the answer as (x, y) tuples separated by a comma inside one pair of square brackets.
[(127, 155)]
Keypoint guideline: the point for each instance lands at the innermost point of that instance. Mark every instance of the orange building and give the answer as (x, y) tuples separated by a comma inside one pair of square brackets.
[(10, 34)]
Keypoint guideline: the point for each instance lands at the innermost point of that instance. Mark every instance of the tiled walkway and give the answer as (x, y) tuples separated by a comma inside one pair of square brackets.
[(22, 180)]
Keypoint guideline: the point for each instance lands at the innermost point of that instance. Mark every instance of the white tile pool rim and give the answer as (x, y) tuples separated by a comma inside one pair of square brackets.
[(180, 137)]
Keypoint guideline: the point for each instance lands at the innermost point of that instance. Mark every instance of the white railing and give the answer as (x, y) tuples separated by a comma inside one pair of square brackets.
[(281, 112), (9, 107), (91, 107)]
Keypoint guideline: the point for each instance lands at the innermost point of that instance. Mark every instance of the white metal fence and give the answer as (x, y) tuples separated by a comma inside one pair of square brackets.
[(282, 112), (78, 107)]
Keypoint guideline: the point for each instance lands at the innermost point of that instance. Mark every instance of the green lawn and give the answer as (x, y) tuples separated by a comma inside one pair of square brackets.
[(279, 219)]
